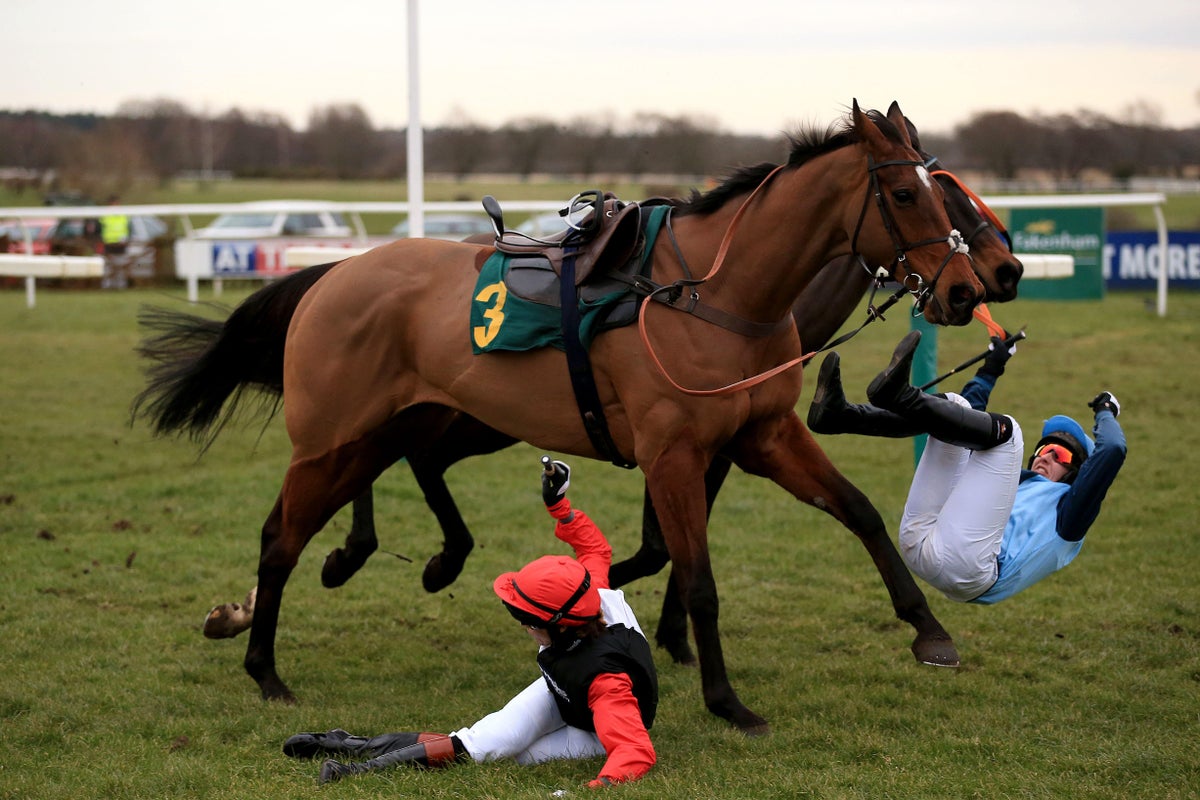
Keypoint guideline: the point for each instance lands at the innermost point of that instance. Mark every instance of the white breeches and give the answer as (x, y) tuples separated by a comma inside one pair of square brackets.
[(529, 730), (957, 507)]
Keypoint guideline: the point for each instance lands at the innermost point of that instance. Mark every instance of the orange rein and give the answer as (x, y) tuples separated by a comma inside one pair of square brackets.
[(982, 314), (983, 207), (718, 262)]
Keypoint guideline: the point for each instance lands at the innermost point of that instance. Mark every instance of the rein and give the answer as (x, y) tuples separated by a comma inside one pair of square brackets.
[(990, 220), (669, 294)]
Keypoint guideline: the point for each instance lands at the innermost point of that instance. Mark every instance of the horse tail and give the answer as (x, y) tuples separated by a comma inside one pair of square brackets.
[(197, 364)]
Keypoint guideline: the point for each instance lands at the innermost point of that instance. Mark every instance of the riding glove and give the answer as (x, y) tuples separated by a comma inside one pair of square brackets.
[(1105, 402), (998, 355), (555, 483)]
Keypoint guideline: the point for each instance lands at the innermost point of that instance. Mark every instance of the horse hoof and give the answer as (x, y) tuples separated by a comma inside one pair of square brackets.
[(755, 731), (228, 620), (937, 650), (279, 694), (336, 570), (751, 724), (440, 572), (680, 654)]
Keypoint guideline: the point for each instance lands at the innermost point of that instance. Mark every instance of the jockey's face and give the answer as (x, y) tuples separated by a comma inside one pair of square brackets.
[(1046, 465), (539, 635)]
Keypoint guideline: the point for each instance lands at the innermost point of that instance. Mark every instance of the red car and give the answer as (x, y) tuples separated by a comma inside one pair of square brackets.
[(39, 230)]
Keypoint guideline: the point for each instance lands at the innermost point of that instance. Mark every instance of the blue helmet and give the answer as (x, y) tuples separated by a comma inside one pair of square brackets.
[(1063, 430)]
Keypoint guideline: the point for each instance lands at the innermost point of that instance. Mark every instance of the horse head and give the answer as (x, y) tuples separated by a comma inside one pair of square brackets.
[(903, 222), (991, 249)]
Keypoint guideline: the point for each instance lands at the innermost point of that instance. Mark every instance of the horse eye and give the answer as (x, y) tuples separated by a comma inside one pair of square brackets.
[(904, 197)]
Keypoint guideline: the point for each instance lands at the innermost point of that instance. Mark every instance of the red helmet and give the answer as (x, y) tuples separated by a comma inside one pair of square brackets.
[(553, 590)]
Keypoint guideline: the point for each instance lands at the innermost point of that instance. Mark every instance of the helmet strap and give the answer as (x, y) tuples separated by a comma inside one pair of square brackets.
[(557, 615)]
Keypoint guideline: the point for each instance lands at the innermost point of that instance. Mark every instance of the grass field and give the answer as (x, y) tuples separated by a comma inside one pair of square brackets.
[(115, 545)]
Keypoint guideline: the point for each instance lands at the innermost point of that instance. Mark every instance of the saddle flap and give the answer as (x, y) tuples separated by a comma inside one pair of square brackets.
[(534, 279)]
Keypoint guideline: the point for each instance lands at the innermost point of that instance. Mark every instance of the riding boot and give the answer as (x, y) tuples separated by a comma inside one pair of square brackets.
[(938, 416), (338, 742), (831, 413), (437, 751)]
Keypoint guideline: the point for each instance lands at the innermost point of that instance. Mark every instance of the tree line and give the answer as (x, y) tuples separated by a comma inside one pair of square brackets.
[(160, 139)]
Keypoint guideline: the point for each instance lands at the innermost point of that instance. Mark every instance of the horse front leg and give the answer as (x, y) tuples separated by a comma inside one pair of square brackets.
[(443, 568), (783, 450), (681, 511), (672, 634), (652, 556), (341, 564), (455, 436)]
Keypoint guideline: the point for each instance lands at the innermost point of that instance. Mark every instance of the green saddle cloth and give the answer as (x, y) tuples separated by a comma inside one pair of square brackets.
[(500, 320)]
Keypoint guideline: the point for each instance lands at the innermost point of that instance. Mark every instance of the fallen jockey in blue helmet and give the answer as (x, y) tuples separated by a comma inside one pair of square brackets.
[(976, 526)]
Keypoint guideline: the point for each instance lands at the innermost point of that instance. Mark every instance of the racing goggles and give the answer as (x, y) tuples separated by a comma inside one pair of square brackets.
[(1056, 451)]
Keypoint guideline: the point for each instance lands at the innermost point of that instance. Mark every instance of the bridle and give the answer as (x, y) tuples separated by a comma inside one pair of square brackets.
[(912, 283), (669, 294)]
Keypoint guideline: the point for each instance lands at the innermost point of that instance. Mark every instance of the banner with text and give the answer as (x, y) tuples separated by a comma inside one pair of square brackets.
[(1132, 260), (1077, 232)]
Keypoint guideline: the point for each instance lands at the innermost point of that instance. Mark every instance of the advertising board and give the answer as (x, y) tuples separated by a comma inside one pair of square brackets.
[(1133, 259), (245, 258), (1077, 232)]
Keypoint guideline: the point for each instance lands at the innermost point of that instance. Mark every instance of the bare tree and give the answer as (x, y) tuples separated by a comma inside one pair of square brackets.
[(999, 141), (526, 140), (341, 141), (461, 146), (165, 130)]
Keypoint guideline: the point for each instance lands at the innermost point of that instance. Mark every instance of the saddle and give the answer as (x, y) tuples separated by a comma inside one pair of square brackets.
[(602, 234), (597, 258)]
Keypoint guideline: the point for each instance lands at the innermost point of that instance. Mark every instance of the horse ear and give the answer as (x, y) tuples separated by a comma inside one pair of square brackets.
[(897, 118), (867, 131)]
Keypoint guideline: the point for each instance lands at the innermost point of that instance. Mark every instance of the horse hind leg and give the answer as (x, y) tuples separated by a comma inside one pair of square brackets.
[(793, 460), (313, 490)]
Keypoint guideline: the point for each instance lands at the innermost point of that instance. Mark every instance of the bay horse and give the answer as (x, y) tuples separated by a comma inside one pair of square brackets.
[(377, 364), (822, 308)]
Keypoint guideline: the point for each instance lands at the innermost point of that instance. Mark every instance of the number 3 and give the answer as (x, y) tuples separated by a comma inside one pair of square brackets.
[(495, 315)]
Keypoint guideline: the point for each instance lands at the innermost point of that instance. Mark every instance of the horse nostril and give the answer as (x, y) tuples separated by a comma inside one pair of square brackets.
[(1010, 274), (964, 297)]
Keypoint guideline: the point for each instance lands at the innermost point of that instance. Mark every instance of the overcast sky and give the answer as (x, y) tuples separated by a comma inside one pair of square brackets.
[(753, 66)]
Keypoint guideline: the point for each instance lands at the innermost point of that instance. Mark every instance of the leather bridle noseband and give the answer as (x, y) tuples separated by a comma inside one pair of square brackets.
[(912, 283)]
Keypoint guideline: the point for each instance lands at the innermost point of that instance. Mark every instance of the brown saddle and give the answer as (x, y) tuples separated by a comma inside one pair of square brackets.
[(603, 234)]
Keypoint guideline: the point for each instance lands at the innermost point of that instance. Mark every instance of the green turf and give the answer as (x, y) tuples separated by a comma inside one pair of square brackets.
[(115, 545)]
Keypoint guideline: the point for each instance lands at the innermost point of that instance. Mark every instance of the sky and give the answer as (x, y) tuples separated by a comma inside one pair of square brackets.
[(747, 66)]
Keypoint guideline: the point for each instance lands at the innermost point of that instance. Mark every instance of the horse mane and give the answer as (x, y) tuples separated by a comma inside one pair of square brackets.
[(805, 144)]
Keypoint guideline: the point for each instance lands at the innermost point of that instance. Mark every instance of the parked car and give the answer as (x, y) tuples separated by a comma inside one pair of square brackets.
[(269, 220), (39, 230), (542, 225), (452, 227)]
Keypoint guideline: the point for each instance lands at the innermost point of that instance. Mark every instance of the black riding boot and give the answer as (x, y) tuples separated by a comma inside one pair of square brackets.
[(831, 413), (338, 742), (941, 418), (437, 751)]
